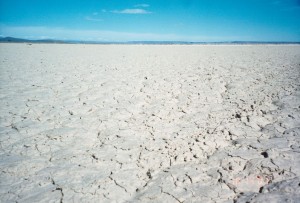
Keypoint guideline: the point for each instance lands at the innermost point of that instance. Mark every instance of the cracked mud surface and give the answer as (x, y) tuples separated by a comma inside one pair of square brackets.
[(118, 123)]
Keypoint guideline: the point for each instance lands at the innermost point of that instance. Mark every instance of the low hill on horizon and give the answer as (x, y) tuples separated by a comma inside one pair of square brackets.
[(55, 41)]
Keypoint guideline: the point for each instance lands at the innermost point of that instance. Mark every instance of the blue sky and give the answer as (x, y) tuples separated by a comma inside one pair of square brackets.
[(127, 20)]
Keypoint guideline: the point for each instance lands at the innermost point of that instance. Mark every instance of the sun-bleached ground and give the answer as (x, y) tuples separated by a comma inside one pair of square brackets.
[(149, 123)]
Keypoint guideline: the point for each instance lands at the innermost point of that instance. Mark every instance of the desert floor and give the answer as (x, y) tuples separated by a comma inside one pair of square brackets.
[(149, 123)]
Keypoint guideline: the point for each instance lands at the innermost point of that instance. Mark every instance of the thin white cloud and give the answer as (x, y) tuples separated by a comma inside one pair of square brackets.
[(95, 13), (142, 5), (103, 11), (36, 32), (93, 19), (131, 11)]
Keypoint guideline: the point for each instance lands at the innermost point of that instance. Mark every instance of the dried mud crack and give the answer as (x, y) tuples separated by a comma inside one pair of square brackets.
[(139, 123)]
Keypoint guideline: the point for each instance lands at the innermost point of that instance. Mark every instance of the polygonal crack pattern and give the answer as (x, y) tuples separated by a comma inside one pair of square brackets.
[(141, 123)]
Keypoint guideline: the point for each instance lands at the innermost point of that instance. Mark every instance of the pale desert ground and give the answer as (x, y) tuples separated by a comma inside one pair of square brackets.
[(150, 123)]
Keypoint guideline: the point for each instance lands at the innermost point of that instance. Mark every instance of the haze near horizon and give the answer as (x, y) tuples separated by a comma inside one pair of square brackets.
[(150, 20)]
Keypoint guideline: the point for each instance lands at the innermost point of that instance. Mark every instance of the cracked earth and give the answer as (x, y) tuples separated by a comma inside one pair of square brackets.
[(149, 123)]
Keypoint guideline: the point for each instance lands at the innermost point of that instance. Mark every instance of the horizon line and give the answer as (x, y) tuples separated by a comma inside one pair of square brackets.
[(9, 39)]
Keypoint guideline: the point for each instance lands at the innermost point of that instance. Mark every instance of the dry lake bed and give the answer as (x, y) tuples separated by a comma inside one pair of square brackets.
[(149, 123)]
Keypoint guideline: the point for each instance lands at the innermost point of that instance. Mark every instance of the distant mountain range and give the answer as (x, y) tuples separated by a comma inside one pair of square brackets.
[(53, 41), (12, 39)]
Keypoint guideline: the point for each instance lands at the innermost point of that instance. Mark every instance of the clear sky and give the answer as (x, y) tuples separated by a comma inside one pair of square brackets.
[(172, 20)]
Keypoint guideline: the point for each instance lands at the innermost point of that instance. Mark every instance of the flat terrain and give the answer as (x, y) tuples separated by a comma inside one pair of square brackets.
[(149, 123)]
